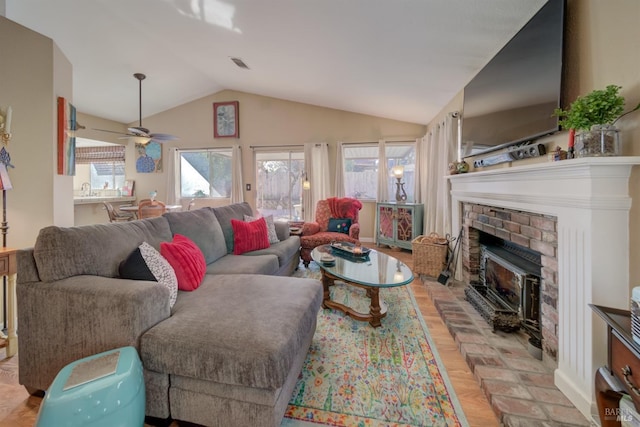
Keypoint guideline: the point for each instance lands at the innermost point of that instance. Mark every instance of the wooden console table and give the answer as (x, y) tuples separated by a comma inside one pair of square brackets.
[(622, 373), (9, 268)]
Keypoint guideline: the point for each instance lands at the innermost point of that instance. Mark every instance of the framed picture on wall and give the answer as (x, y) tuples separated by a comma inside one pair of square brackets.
[(226, 119), (127, 188)]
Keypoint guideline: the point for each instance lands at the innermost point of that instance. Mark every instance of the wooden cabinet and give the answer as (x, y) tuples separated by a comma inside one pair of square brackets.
[(622, 373), (397, 224)]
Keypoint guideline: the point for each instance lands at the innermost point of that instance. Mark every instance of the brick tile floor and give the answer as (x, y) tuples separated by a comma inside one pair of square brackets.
[(519, 387)]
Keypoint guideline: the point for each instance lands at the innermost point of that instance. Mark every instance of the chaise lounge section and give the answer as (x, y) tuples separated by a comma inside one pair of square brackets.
[(227, 353)]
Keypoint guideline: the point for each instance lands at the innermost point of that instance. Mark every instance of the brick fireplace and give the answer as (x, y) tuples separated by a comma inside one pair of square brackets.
[(530, 230), (576, 214)]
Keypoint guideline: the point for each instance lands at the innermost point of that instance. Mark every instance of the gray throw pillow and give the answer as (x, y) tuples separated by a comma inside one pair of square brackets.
[(271, 227)]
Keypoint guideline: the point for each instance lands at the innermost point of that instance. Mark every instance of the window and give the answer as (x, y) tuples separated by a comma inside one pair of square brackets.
[(279, 176), (205, 173), (99, 167), (361, 169)]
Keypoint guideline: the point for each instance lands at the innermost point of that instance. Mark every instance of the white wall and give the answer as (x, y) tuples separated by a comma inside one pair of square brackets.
[(34, 74)]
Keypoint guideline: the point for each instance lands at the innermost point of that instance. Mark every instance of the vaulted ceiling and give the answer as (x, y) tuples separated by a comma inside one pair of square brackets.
[(398, 59)]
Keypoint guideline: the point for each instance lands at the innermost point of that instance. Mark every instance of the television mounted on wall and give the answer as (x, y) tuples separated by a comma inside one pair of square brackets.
[(512, 99)]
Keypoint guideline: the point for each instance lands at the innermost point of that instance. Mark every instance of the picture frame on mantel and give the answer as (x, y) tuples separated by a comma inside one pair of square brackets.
[(226, 119)]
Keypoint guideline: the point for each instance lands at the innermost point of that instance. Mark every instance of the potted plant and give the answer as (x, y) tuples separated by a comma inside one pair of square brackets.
[(593, 117)]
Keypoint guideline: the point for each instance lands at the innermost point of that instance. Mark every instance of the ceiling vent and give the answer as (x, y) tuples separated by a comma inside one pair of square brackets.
[(240, 63)]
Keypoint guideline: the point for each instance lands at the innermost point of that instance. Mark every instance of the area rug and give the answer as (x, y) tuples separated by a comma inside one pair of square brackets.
[(357, 375)]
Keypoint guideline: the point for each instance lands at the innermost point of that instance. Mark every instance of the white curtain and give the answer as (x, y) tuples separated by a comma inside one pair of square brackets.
[(439, 151), (173, 192), (383, 172), (237, 186), (339, 183), (316, 165), (421, 167)]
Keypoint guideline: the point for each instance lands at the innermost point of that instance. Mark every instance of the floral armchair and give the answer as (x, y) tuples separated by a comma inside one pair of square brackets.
[(317, 233)]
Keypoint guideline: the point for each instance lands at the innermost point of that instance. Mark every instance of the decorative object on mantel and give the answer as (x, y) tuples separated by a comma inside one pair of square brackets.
[(593, 118), (558, 154)]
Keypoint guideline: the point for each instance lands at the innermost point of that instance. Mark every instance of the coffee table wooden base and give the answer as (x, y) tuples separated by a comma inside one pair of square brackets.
[(377, 309)]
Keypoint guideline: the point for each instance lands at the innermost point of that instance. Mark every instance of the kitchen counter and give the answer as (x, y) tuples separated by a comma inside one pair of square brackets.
[(99, 199)]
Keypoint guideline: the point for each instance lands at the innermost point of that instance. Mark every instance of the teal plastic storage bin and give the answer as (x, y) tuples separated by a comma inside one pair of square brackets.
[(103, 390)]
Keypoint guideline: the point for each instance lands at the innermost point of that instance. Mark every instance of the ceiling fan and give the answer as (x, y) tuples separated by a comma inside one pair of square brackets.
[(139, 134)]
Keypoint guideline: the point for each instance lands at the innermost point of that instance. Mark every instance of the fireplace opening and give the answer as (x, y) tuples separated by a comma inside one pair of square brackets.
[(507, 294)]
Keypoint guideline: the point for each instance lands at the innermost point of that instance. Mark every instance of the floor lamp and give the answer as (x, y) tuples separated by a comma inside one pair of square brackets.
[(5, 184)]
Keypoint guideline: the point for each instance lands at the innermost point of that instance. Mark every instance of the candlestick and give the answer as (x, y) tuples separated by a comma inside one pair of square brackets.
[(7, 120)]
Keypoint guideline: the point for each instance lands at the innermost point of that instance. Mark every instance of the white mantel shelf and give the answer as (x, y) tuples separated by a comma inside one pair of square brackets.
[(590, 198)]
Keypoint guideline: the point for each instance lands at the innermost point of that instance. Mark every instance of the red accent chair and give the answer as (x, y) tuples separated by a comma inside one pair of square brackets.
[(316, 234)]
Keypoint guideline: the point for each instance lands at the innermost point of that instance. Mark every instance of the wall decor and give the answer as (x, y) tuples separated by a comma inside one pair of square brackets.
[(149, 157), (226, 119), (67, 125)]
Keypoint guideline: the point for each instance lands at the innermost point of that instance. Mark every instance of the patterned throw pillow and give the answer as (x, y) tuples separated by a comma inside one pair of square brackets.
[(161, 270), (271, 227), (187, 261), (249, 236), (339, 225)]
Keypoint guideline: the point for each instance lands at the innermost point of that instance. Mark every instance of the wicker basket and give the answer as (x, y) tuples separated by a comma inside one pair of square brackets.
[(429, 254)]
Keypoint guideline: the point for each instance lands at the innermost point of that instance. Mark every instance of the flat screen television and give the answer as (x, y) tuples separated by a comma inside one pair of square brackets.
[(512, 99)]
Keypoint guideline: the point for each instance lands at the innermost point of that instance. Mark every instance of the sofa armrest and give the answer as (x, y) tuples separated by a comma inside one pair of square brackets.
[(72, 318), (354, 231), (310, 228)]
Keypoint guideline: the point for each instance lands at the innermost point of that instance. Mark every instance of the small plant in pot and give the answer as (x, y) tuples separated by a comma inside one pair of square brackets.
[(593, 117)]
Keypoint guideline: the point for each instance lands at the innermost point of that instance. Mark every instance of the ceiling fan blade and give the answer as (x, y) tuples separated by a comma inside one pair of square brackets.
[(110, 131), (161, 137), (139, 131)]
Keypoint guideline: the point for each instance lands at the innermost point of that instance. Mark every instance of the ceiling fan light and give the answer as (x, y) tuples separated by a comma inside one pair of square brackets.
[(139, 139)]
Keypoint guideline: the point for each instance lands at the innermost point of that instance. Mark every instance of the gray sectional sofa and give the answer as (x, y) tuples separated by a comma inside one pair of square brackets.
[(226, 354)]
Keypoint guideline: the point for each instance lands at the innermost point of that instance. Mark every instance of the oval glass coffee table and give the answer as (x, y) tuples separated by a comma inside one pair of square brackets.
[(371, 271)]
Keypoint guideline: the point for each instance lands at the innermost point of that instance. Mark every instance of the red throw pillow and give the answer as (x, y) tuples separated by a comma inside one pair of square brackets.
[(249, 236), (187, 261)]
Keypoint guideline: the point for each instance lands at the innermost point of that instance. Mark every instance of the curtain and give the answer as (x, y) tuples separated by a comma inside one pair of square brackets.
[(421, 167), (339, 183), (440, 151), (173, 192), (237, 186), (383, 172), (106, 154), (316, 166)]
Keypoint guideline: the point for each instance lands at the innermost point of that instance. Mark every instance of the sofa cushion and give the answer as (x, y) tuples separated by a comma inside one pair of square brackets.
[(97, 250), (237, 264), (187, 261), (271, 227), (249, 236), (283, 250), (201, 226), (209, 338), (225, 214)]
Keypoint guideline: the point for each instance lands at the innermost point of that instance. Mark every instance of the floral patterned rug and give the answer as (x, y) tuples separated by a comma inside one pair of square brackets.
[(357, 375)]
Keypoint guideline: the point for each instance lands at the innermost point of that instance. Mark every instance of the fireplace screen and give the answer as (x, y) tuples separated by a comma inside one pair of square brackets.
[(512, 283)]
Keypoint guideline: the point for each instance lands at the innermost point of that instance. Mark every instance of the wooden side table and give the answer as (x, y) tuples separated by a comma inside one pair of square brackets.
[(9, 268), (622, 373)]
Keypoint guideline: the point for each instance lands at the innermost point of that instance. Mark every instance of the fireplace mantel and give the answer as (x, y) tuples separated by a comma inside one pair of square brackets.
[(590, 199)]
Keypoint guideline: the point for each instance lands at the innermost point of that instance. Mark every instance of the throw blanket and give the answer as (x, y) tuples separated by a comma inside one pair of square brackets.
[(344, 207)]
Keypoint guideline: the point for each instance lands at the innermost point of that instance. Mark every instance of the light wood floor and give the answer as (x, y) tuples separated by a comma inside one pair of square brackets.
[(18, 409)]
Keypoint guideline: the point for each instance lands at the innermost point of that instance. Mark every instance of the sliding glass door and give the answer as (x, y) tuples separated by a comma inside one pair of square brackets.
[(279, 176)]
